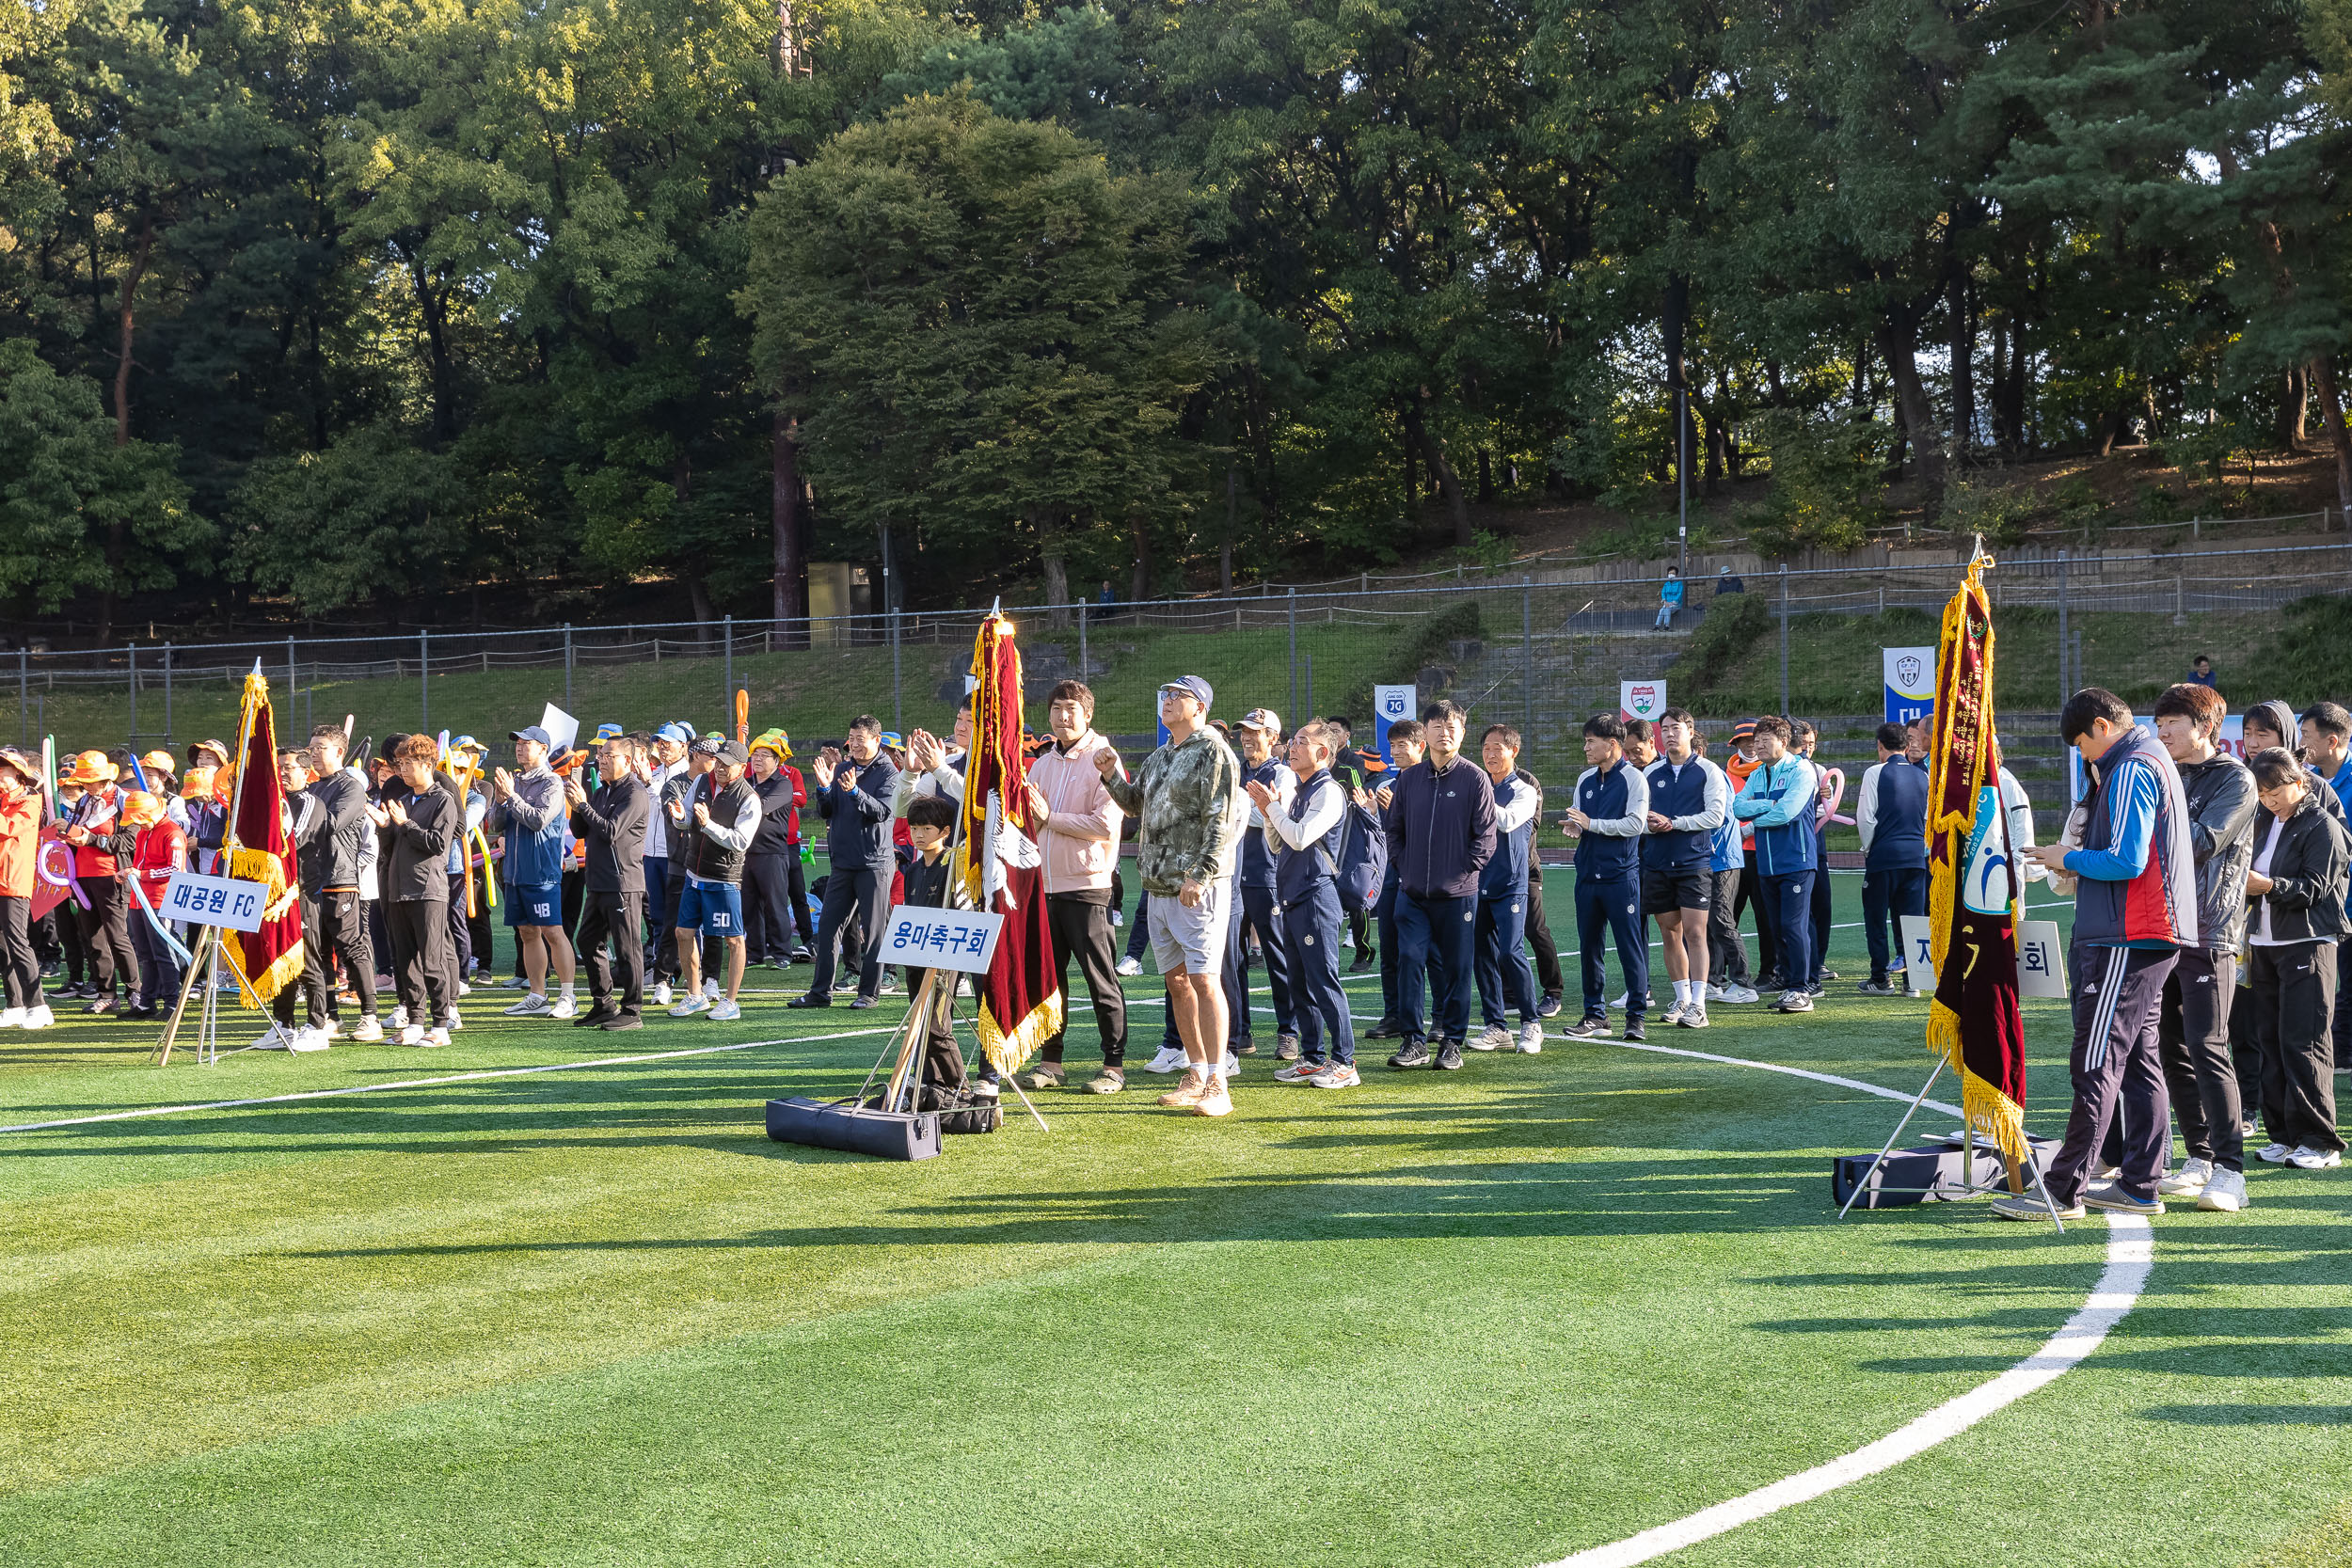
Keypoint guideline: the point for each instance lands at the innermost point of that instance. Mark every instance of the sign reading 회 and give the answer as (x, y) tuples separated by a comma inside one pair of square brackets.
[(942, 939), (213, 901), (1641, 699), (1391, 704), (2041, 959), (1910, 683)]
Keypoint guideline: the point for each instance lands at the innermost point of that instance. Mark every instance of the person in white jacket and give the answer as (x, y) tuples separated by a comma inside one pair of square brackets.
[(1077, 827)]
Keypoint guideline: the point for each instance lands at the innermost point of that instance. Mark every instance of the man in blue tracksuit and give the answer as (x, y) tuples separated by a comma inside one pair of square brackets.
[(1506, 982), (1891, 815), (1307, 832), (1690, 800), (1404, 749), (1777, 800), (1611, 813), (1442, 834), (854, 794)]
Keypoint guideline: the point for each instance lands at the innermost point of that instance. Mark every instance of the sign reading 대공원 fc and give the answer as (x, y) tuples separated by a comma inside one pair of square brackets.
[(1910, 683), (1641, 699), (1391, 704)]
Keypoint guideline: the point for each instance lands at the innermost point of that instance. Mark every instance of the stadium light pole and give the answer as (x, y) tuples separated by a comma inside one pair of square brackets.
[(1682, 476)]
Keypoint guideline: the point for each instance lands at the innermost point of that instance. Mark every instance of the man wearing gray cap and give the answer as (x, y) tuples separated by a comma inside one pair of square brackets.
[(1187, 796), (527, 810), (714, 823)]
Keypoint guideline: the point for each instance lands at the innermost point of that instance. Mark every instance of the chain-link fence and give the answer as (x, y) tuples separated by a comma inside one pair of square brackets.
[(1540, 649)]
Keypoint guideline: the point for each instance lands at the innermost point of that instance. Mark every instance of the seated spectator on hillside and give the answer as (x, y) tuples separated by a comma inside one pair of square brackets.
[(1728, 581), (1669, 598), (2200, 670)]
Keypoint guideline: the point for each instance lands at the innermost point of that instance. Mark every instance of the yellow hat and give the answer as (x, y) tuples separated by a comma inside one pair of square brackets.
[(140, 809), (92, 767), (776, 741), (159, 762), (197, 785)]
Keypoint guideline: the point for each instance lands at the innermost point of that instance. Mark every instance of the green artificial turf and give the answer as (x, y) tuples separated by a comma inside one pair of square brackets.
[(1483, 1317)]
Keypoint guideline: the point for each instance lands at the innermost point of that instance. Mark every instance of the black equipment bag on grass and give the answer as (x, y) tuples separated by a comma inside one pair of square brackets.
[(854, 1129)]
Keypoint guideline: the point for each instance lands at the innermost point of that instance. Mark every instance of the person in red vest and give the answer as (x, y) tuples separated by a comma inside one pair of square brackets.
[(102, 842)]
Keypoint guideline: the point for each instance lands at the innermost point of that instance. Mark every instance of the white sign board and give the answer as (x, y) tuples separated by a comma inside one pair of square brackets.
[(941, 939), (213, 901), (1922, 968), (1641, 699), (2041, 959), (1910, 677), (563, 730)]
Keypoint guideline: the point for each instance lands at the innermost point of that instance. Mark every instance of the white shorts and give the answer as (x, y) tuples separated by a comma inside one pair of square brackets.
[(1190, 940)]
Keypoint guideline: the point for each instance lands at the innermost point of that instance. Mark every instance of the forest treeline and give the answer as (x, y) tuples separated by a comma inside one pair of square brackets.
[(386, 309)]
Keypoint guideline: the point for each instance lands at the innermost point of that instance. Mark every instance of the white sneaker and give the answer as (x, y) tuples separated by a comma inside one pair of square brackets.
[(412, 1034), (1531, 1039), (452, 1023), (367, 1032), (434, 1037), (1129, 966), (12, 1018), (1714, 991), (1496, 1038), (532, 1005), (2308, 1158), (464, 989), (2188, 1180), (1233, 1066), (308, 1039), (1737, 995), (2225, 1194), (331, 1028), (689, 1008), (37, 1015), (724, 1012), (2273, 1155), (1171, 1059), (1693, 1016), (274, 1040), (400, 1017), (564, 1006), (662, 993), (1619, 1003), (710, 990), (1673, 1013), (1336, 1076), (1117, 920)]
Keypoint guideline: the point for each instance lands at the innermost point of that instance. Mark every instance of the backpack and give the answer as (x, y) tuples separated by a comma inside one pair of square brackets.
[(1363, 859)]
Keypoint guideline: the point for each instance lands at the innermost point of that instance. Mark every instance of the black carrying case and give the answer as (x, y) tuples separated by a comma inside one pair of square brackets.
[(1932, 1174), (853, 1128)]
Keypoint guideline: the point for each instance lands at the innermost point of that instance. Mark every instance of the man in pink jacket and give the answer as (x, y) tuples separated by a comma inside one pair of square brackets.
[(1078, 831)]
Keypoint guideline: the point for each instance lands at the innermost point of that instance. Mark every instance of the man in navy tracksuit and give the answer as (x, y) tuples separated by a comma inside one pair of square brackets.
[(1307, 832), (1777, 800), (1442, 834), (1612, 810), (1404, 749), (853, 795), (1891, 813), (1506, 982), (1689, 799)]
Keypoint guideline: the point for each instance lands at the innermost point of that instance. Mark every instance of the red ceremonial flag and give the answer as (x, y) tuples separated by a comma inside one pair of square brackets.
[(258, 850), (1973, 886), (1021, 1004)]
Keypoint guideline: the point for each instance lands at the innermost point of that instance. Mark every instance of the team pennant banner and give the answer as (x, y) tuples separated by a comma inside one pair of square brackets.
[(1020, 1003)]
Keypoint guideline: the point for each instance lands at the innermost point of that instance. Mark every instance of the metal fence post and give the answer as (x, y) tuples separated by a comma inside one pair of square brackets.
[(1291, 599), (166, 696), (1083, 672), (1527, 655), (567, 664), (135, 694), (24, 694), (1783, 638), (291, 684), (1310, 693), (2064, 689), (726, 698), (424, 681)]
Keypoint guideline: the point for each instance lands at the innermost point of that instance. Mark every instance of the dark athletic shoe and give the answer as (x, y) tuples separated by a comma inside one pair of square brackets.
[(1387, 1029), (1413, 1054), (594, 1017), (1449, 1058), (1633, 1029), (623, 1021), (813, 999), (1586, 1028), (1548, 1008), (1877, 987)]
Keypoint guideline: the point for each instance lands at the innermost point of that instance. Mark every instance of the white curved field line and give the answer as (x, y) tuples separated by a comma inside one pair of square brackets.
[(2130, 1257)]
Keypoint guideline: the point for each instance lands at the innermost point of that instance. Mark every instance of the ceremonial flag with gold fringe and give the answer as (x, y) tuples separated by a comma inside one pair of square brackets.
[(259, 851), (1002, 867), (1973, 886)]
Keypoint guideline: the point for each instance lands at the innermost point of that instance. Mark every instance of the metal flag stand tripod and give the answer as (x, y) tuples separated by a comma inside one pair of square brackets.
[(1969, 1187), (903, 1049)]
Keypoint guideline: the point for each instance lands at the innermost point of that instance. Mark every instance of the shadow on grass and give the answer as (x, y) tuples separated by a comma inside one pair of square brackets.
[(2250, 1415)]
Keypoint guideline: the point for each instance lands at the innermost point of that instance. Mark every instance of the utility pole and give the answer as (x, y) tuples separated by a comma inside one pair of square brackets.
[(788, 523)]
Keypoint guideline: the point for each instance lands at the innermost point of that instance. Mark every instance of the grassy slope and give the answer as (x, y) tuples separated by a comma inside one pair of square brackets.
[(1488, 1318)]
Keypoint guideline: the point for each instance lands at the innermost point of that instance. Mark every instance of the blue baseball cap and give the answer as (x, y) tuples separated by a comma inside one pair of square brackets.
[(608, 732), (1193, 686), (678, 734), (533, 732)]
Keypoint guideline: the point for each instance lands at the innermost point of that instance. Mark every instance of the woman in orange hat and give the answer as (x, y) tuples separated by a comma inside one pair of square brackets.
[(207, 817), (19, 837), (162, 848), (102, 844)]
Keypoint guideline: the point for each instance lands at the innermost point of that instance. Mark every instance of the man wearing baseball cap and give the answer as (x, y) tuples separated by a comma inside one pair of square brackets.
[(1188, 801), (20, 843), (1255, 738), (666, 780), (853, 795), (718, 824), (527, 810)]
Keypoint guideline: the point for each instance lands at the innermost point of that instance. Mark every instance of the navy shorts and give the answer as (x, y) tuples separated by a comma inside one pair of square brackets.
[(714, 909), (539, 904)]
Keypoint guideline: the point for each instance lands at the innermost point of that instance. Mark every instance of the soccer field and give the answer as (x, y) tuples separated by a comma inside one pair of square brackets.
[(1490, 1318)]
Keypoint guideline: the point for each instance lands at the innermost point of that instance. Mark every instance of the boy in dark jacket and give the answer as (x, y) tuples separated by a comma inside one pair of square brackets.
[(2296, 885), (1442, 834), (931, 884), (416, 823), (612, 823)]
